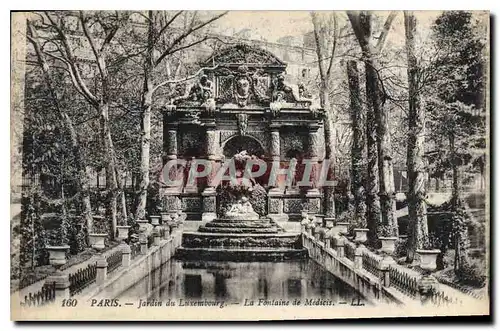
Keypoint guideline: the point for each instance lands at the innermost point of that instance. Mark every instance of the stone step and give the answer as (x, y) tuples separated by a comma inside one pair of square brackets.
[(230, 220), (272, 229), (241, 255), (255, 224), (240, 241)]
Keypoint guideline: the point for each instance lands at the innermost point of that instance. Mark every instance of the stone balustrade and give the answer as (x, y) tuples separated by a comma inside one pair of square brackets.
[(377, 277), (64, 285)]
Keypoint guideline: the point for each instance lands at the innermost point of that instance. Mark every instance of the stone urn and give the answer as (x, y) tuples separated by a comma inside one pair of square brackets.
[(360, 235), (310, 228), (388, 244), (155, 220), (123, 232), (142, 225), (165, 217), (303, 224), (428, 258), (342, 227), (57, 255), (97, 240)]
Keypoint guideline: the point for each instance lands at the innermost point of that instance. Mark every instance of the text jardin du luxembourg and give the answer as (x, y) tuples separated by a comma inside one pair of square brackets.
[(247, 303)]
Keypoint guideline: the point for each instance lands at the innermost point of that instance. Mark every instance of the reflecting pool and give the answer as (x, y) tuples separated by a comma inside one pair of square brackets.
[(264, 283)]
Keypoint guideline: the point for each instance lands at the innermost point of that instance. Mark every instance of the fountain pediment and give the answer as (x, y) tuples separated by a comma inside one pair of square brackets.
[(243, 76)]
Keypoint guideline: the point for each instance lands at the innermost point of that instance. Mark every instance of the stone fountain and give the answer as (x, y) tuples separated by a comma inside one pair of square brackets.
[(241, 235)]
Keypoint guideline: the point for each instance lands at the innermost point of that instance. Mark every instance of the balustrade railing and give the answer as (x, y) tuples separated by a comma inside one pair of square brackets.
[(82, 278), (371, 263), (350, 250), (403, 280), (47, 294), (135, 250), (439, 298), (114, 261)]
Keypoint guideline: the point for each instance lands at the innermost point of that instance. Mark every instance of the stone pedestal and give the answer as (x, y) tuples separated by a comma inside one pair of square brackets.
[(102, 270), (143, 240), (358, 257), (275, 205), (172, 202), (126, 251), (329, 221), (383, 266), (339, 244), (209, 204), (123, 231), (62, 284), (313, 197), (97, 240)]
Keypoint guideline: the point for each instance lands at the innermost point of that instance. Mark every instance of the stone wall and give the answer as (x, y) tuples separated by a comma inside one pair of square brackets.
[(363, 282), (123, 279)]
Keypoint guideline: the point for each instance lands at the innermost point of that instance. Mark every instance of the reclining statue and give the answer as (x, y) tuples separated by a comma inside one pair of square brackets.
[(242, 210)]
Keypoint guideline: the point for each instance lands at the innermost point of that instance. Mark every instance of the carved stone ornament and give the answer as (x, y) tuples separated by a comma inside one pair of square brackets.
[(242, 124), (199, 92)]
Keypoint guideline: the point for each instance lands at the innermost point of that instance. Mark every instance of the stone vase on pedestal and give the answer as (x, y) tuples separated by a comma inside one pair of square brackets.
[(360, 235), (57, 255), (428, 258), (123, 232), (96, 240), (342, 227), (155, 220), (388, 244), (142, 225)]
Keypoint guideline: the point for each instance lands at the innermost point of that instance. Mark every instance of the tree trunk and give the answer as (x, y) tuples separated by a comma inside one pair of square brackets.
[(111, 169), (374, 213), (385, 168), (123, 201), (330, 133), (357, 178), (417, 208), (147, 100)]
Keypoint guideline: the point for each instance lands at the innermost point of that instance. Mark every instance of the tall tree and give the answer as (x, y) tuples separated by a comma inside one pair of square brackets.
[(326, 39), (164, 39), (380, 184), (99, 30), (79, 163), (357, 147), (417, 209), (456, 109)]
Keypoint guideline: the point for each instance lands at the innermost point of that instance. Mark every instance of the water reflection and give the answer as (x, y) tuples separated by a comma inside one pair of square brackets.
[(235, 282)]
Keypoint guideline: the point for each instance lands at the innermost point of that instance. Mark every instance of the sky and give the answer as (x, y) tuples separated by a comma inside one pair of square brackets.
[(272, 25)]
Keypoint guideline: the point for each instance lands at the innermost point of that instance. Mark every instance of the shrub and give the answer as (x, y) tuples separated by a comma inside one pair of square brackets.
[(472, 274), (401, 247)]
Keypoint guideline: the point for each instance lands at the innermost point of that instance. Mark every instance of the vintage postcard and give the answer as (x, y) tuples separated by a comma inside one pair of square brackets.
[(249, 165)]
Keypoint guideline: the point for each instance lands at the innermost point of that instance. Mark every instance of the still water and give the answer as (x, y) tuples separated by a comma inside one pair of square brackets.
[(267, 283)]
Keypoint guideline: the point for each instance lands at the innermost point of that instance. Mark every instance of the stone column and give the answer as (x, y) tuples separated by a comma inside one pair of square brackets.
[(313, 195), (213, 147), (275, 196), (102, 270), (171, 143), (171, 193), (209, 211)]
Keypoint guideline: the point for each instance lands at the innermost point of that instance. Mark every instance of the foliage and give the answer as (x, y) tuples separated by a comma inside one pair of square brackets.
[(472, 274), (258, 199), (456, 100), (401, 247)]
